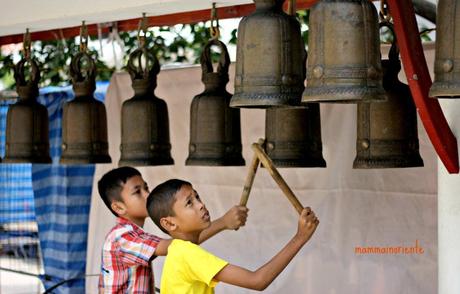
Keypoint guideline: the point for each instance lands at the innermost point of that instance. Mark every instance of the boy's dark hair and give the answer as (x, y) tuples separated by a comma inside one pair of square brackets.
[(111, 184), (161, 200)]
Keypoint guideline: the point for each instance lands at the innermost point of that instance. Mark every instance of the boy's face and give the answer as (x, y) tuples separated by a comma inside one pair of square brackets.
[(134, 197), (191, 214)]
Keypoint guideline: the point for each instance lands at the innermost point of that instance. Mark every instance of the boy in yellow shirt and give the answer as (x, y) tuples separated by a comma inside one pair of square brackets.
[(128, 250), (176, 209)]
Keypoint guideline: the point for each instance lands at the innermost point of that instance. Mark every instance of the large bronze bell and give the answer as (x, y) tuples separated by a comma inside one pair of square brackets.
[(270, 58), (344, 53), (27, 133), (145, 122), (387, 131), (293, 136), (447, 57), (215, 132), (84, 121)]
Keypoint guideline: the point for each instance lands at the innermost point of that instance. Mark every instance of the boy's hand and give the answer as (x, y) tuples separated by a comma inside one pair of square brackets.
[(308, 222), (235, 217)]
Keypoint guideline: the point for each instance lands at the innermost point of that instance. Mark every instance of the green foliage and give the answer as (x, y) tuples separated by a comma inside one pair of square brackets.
[(6, 70)]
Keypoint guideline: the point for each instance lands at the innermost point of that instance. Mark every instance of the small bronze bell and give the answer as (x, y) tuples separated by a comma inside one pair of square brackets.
[(293, 136), (387, 131), (84, 120), (447, 60), (145, 122), (215, 132), (344, 53), (27, 133), (270, 58)]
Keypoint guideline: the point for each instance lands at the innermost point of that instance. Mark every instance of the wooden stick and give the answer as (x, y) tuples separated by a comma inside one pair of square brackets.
[(249, 180), (250, 177), (268, 164)]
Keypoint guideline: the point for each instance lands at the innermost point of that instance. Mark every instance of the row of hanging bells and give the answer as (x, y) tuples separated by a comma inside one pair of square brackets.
[(344, 66), (293, 134)]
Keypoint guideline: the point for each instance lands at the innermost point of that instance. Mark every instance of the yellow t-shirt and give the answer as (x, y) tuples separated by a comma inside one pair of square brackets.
[(189, 269)]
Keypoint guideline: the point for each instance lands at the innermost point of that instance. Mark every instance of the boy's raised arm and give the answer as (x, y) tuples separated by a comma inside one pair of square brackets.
[(233, 219), (261, 278)]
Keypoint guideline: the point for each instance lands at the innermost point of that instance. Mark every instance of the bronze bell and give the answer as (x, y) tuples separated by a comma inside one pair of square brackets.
[(344, 47), (215, 132), (27, 133), (293, 136), (447, 57), (84, 121), (145, 122), (270, 58), (387, 131)]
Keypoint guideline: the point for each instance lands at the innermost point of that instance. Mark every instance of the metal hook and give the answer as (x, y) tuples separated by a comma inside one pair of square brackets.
[(142, 32), (214, 29), (384, 12), (83, 37), (26, 44)]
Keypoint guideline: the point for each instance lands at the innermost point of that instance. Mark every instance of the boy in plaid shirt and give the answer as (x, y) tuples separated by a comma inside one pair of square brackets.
[(128, 249)]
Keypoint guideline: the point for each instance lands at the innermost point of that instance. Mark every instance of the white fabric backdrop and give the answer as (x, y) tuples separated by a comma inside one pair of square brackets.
[(392, 207)]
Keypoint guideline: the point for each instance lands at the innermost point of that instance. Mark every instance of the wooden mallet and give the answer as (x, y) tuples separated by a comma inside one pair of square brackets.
[(261, 156), (251, 175)]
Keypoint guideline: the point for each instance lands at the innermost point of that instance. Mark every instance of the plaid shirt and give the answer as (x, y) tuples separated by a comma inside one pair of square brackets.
[(126, 259)]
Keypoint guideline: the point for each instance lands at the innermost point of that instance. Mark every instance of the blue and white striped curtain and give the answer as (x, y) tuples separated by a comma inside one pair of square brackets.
[(62, 203)]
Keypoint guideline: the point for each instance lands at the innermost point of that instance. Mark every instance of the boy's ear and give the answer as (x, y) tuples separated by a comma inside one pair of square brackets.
[(119, 207), (168, 224)]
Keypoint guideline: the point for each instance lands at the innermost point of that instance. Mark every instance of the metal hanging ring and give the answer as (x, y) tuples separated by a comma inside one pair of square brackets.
[(224, 60), (143, 70), (20, 72)]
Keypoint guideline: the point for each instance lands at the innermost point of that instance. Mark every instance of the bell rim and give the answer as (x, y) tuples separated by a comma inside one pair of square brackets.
[(349, 95), (443, 90), (146, 162), (250, 100), (92, 159), (34, 159), (209, 161), (306, 162), (414, 160)]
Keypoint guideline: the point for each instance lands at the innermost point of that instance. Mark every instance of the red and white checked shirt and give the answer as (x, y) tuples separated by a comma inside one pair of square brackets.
[(126, 257)]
